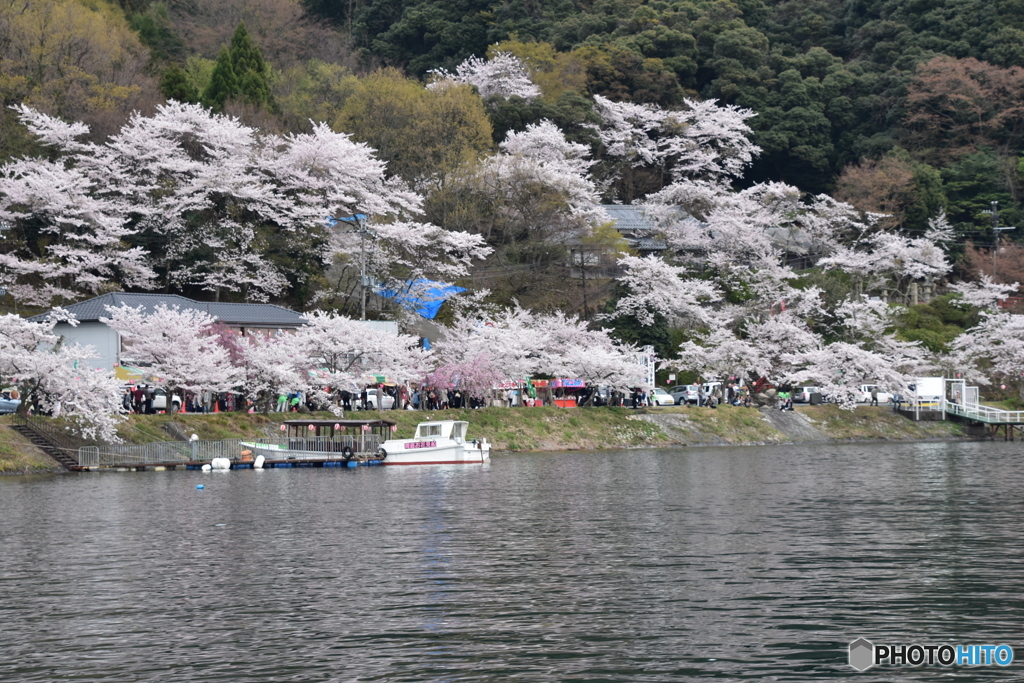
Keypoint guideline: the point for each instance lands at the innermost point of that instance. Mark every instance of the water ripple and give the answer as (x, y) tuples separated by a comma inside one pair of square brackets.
[(736, 564)]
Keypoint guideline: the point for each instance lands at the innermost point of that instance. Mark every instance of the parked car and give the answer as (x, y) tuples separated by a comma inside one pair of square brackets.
[(660, 397), (865, 394), (709, 388), (803, 394), (160, 400), (9, 404), (684, 393), (387, 402)]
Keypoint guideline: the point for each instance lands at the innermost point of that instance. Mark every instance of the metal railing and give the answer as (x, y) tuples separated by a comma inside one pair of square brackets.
[(976, 411), (158, 453), (180, 452), (62, 445), (320, 446)]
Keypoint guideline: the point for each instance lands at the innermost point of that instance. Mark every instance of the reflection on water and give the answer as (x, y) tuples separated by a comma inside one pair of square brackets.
[(669, 565)]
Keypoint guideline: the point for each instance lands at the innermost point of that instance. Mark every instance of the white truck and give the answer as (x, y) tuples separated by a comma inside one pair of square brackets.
[(927, 390)]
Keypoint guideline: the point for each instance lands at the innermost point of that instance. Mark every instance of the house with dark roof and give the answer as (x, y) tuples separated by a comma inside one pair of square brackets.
[(242, 318), (638, 230)]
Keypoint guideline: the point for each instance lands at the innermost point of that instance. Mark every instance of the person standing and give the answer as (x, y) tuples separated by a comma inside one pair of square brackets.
[(874, 396)]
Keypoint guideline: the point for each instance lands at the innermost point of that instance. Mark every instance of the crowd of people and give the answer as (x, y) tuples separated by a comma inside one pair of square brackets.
[(148, 399)]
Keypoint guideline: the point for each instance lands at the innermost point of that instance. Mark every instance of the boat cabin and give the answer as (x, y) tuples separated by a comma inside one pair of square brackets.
[(304, 429), (336, 436), (445, 429)]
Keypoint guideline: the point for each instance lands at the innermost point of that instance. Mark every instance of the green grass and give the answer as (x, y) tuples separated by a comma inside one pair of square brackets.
[(867, 423), (19, 456)]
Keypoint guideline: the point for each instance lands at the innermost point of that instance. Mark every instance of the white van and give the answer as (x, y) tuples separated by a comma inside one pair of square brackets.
[(865, 394)]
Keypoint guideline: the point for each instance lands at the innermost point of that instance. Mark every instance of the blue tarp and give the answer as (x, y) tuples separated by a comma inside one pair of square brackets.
[(423, 296)]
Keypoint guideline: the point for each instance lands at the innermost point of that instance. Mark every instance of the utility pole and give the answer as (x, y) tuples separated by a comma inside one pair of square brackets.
[(359, 220), (996, 229), (583, 276), (362, 272), (4, 227)]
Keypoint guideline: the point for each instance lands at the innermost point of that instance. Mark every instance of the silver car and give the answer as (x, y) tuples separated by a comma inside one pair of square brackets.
[(684, 393), (8, 404)]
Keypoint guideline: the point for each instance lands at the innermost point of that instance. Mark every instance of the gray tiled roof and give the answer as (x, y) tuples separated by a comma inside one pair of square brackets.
[(245, 315), (648, 244), (628, 218)]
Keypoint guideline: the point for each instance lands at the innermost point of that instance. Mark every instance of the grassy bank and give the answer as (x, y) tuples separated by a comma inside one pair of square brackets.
[(876, 423), (19, 456), (551, 429)]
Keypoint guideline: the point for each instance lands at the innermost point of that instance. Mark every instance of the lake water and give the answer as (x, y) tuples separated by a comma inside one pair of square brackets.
[(658, 565)]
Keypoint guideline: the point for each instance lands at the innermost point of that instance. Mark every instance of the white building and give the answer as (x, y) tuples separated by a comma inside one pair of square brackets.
[(242, 318)]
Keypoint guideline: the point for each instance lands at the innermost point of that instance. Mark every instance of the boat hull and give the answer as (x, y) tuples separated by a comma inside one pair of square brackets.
[(418, 452)]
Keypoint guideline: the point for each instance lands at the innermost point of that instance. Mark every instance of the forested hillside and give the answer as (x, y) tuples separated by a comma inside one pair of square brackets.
[(902, 108), (819, 187), (893, 86)]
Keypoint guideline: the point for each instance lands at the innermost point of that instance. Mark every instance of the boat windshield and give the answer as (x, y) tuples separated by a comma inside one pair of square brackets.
[(429, 430)]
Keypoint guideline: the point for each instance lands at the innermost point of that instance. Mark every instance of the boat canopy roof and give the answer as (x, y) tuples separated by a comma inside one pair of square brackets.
[(342, 423), (443, 428)]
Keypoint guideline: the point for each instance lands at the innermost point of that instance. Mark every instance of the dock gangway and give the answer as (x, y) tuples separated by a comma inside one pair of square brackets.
[(965, 406)]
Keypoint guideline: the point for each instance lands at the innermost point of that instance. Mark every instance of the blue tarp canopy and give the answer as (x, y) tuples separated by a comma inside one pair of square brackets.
[(423, 296)]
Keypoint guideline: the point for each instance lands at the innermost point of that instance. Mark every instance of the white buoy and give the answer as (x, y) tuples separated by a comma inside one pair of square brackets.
[(257, 464), (221, 463), (207, 467)]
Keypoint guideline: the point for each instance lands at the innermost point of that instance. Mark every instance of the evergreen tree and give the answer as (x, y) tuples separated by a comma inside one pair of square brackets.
[(241, 73), (174, 84), (251, 70), (223, 83)]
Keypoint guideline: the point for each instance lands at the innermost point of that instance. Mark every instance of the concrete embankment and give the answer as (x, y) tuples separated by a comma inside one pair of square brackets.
[(553, 429)]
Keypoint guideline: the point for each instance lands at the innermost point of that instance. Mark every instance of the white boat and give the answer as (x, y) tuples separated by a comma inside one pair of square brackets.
[(436, 443), (324, 443)]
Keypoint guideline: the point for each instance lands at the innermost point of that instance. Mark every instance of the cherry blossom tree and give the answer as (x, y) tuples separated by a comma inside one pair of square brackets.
[(839, 369), (704, 140), (504, 75), (523, 343), (991, 350), (654, 286), (187, 198), (65, 238), (346, 354), (540, 155), (476, 377), (891, 260), (508, 338), (986, 293), (56, 377), (177, 345), (272, 364), (758, 349)]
